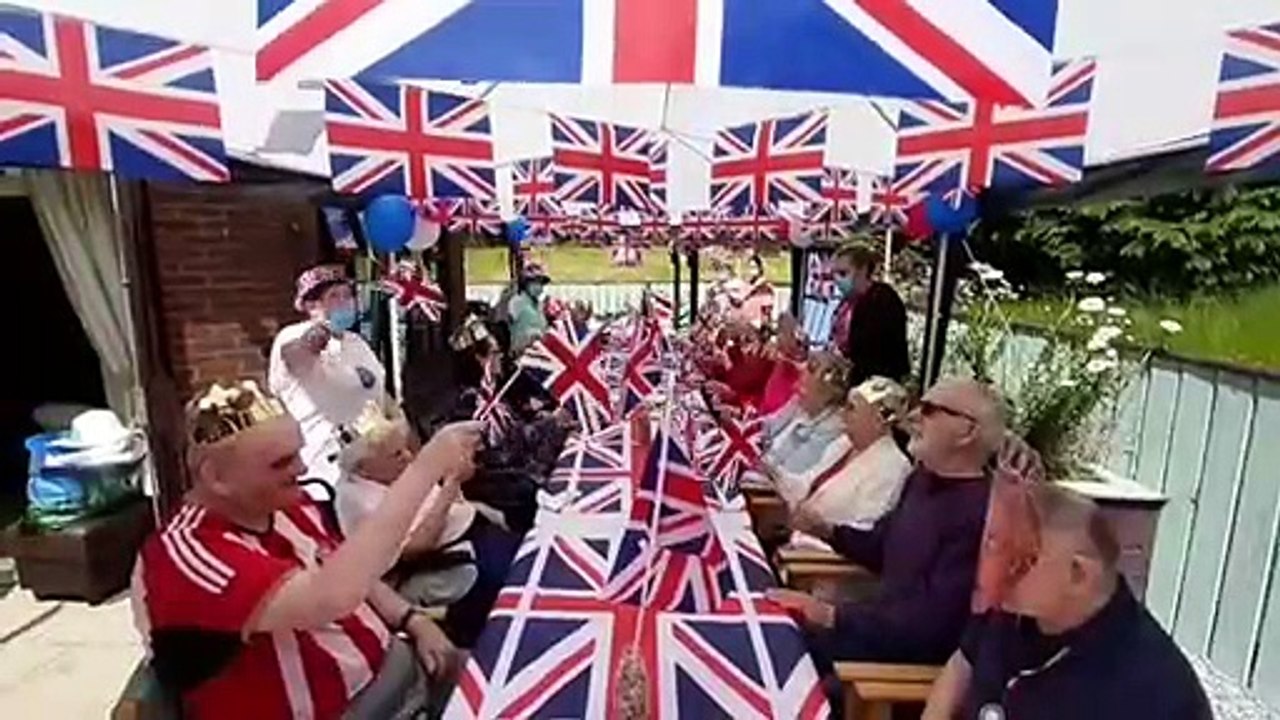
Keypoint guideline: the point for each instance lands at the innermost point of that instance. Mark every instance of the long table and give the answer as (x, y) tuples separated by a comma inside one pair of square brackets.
[(556, 647)]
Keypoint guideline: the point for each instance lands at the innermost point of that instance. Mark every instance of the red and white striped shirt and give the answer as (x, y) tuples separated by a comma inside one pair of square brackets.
[(201, 578)]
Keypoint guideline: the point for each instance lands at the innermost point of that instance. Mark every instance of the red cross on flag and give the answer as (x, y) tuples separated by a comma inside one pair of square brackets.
[(766, 163), (601, 164), (570, 364), (414, 291)]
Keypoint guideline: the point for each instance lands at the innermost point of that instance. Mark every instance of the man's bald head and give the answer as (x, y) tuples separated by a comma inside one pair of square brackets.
[(959, 426), (1074, 522)]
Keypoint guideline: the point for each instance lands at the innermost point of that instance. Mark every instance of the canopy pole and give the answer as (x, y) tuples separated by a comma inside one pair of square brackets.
[(942, 291), (888, 253), (799, 279), (675, 280), (693, 283)]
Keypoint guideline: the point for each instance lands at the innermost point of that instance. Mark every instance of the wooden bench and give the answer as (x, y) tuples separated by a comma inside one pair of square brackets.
[(823, 574), (872, 689)]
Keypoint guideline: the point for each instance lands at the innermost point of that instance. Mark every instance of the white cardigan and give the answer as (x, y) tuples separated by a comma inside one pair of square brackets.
[(849, 489)]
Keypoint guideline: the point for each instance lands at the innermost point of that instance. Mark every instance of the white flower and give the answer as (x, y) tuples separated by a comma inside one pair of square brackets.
[(1067, 383), (1092, 305), (1102, 337), (1075, 275), (1117, 311), (1095, 278), (1113, 353), (1099, 365), (985, 272), (1173, 327)]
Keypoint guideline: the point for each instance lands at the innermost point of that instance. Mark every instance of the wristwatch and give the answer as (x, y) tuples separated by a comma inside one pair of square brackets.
[(402, 625)]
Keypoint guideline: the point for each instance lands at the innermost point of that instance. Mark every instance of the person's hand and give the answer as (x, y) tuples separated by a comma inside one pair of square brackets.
[(1018, 460), (316, 338), (804, 607), (435, 652), (451, 451), (807, 520)]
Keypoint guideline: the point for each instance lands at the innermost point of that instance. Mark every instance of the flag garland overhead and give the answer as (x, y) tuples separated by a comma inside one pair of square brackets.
[(533, 190), (1246, 117), (944, 147), (407, 140), (79, 96), (769, 162), (601, 163)]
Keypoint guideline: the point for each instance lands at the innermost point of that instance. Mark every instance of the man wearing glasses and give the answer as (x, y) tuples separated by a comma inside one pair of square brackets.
[(925, 550)]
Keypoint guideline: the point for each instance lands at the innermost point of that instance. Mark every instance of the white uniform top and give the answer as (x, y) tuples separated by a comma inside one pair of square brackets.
[(345, 378)]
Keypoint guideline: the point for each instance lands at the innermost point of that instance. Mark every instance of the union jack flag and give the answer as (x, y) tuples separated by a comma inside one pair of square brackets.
[(643, 369), (731, 448), (670, 556), (890, 202), (755, 225), (1246, 118), (413, 290), (477, 218), (955, 50), (75, 95), (818, 280), (570, 365), (533, 190), (837, 212), (600, 224), (658, 176), (409, 141), (701, 226), (600, 163), (761, 164), (945, 147), (489, 406), (658, 306)]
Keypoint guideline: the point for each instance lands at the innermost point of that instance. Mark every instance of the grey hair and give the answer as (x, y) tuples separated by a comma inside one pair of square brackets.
[(1063, 510)]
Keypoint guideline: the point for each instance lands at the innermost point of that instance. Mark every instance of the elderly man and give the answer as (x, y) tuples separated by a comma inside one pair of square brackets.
[(243, 618), (926, 549), (1070, 640)]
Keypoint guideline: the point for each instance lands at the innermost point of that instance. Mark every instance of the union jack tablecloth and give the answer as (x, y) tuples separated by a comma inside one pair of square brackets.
[(556, 647)]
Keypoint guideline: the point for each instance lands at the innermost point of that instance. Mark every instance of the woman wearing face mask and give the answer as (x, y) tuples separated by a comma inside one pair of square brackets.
[(870, 327), (323, 371), (528, 321)]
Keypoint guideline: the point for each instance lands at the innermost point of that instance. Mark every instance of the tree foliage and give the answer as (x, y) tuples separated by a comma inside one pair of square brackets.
[(1172, 245)]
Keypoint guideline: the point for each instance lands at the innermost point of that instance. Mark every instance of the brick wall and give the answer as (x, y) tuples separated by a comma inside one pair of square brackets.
[(226, 258)]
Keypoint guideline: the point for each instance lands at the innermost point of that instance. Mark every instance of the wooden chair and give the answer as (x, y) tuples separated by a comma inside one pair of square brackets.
[(872, 689), (823, 574)]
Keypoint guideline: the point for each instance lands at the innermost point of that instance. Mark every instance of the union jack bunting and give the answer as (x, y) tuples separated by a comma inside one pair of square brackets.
[(944, 147), (600, 163), (600, 224), (761, 164), (643, 369), (835, 215), (658, 306), (658, 177), (413, 290), (818, 280), (956, 50), (75, 95), (700, 226), (533, 190), (670, 556), (1246, 118), (890, 202), (570, 365), (730, 448), (477, 218), (755, 225), (409, 141)]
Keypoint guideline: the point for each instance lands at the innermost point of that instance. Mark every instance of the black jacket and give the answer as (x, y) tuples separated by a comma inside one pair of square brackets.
[(877, 342)]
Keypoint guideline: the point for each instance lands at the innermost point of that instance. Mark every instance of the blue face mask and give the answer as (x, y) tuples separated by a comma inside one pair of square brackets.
[(845, 284), (341, 318), (535, 290)]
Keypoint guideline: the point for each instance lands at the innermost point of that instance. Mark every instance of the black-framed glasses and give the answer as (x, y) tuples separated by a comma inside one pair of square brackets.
[(929, 408)]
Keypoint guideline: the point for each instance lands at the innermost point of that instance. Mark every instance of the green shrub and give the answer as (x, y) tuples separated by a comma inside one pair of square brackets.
[(1173, 245)]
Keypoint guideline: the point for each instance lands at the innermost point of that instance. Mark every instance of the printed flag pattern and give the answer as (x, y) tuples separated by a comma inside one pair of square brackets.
[(75, 95), (570, 365), (953, 50), (477, 218), (533, 190), (412, 291), (600, 163), (409, 141), (835, 215), (946, 147), (1246, 117), (762, 164)]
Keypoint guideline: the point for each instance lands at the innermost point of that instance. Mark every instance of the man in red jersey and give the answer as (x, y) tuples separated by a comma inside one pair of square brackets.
[(252, 605)]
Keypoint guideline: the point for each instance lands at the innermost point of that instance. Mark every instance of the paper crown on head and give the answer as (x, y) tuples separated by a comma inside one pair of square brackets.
[(373, 421), (887, 396), (471, 331), (314, 279), (222, 412)]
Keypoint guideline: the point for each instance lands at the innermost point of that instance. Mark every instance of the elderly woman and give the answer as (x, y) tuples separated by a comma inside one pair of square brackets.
[(456, 557), (801, 435), (864, 481)]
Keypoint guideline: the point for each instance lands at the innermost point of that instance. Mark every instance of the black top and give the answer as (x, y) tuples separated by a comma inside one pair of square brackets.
[(877, 341), (926, 553), (1119, 665)]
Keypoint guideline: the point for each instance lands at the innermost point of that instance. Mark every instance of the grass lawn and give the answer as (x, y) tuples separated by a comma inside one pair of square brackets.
[(1244, 330), (583, 265)]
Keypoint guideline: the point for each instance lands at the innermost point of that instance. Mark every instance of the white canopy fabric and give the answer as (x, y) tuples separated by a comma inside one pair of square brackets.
[(1157, 60)]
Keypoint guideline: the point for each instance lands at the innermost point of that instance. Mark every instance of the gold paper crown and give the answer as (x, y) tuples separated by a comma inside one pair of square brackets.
[(372, 422), (222, 412)]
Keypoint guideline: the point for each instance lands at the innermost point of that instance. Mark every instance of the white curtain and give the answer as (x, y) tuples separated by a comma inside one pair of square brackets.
[(79, 223)]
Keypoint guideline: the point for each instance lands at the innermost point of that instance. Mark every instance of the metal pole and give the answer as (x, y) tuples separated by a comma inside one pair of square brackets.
[(693, 283), (799, 279), (888, 253), (675, 281), (942, 288)]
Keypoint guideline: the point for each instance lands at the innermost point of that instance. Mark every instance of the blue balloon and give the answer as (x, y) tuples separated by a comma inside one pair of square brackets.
[(950, 216), (388, 223), (518, 229)]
